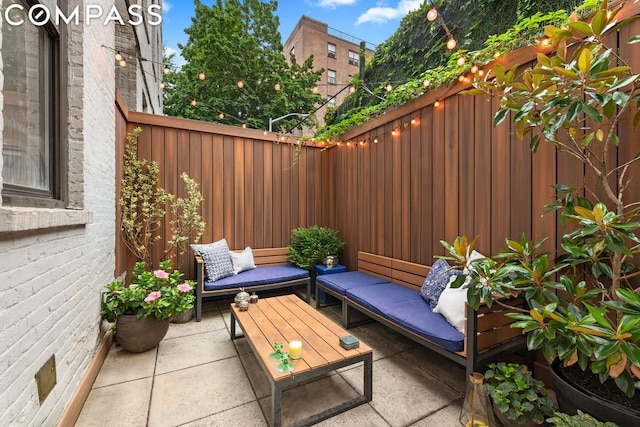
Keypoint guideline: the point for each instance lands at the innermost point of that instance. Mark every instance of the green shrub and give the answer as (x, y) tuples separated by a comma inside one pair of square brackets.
[(309, 245), (516, 393), (581, 419)]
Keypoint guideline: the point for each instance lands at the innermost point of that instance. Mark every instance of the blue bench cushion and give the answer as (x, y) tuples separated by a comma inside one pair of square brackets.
[(406, 307), (258, 276), (341, 282)]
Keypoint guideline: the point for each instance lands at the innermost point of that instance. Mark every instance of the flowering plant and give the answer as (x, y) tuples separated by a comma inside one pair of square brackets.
[(158, 293)]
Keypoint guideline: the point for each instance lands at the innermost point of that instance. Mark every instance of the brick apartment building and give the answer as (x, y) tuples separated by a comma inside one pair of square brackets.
[(336, 52)]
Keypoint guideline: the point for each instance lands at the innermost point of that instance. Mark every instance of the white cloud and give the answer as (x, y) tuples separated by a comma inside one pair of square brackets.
[(168, 51), (332, 4), (380, 15), (166, 6)]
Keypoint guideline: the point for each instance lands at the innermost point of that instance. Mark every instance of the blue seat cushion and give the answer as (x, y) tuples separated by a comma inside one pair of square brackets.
[(341, 282), (258, 276), (406, 307)]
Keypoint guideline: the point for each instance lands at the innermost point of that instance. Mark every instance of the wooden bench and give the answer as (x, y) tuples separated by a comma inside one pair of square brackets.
[(267, 257), (488, 332)]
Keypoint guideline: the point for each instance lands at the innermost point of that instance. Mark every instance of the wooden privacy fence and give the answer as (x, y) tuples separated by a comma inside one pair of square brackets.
[(436, 172)]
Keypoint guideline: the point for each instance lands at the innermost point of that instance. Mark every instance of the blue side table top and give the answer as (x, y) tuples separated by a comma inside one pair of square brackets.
[(321, 269)]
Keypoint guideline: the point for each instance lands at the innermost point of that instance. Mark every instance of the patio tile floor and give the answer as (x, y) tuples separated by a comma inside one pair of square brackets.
[(199, 377)]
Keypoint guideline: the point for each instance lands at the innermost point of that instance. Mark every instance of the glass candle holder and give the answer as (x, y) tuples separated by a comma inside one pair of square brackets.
[(284, 365), (295, 349), (476, 408), (277, 354)]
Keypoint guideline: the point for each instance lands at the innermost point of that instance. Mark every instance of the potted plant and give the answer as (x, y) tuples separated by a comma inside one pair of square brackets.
[(584, 311), (518, 399), (141, 311), (580, 419), (311, 245)]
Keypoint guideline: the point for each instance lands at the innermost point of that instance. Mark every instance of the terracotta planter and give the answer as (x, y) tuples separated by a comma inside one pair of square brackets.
[(573, 396), (139, 335)]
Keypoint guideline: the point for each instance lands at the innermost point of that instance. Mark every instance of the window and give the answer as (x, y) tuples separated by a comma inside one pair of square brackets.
[(354, 58), (331, 50), (331, 102), (331, 77), (30, 100)]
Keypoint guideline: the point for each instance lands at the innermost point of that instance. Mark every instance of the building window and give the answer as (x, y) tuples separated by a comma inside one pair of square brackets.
[(331, 102), (354, 58), (331, 50), (331, 77), (31, 152)]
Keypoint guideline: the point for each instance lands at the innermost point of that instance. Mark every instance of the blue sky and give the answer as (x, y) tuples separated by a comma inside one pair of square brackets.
[(371, 20)]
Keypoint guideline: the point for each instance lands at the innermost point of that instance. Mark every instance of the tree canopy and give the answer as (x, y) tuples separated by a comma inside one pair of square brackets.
[(235, 71)]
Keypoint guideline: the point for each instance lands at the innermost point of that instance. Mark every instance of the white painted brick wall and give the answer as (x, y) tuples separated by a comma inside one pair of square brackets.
[(51, 280)]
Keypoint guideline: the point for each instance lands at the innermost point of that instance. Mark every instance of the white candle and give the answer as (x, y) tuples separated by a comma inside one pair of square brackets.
[(295, 349)]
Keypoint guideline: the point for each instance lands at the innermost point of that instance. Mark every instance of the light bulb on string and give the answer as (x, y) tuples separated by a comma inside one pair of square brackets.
[(221, 116), (202, 76), (240, 84), (166, 70), (461, 61), (352, 89), (474, 69), (481, 73), (162, 85), (194, 102), (436, 104), (452, 43), (375, 141), (389, 87), (426, 83), (315, 89), (118, 57), (122, 63), (432, 15), (244, 126), (277, 87)]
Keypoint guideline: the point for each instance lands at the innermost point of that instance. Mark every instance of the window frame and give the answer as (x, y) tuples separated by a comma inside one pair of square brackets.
[(331, 53), (331, 79), (354, 59), (52, 80)]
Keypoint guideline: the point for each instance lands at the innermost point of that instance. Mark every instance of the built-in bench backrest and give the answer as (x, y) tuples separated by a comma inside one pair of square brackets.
[(492, 324), (404, 273), (270, 256)]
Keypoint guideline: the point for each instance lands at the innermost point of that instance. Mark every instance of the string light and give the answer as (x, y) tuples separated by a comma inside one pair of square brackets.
[(432, 15), (166, 70), (389, 88), (474, 69), (481, 73), (496, 55), (413, 121), (352, 89), (122, 63), (244, 126), (436, 104), (240, 84), (375, 141), (221, 116), (194, 102), (452, 43), (277, 86), (202, 76), (394, 132), (426, 83), (162, 85), (461, 61), (118, 57)]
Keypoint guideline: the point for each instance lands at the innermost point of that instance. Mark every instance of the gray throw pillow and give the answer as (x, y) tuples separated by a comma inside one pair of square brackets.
[(217, 261), (436, 281)]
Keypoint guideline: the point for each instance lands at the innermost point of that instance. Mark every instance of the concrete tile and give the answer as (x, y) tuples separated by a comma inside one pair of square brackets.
[(194, 350), (211, 321), (257, 377), (124, 404), (121, 366), (446, 371), (447, 416), (310, 398), (361, 416), (395, 390), (248, 415), (195, 393)]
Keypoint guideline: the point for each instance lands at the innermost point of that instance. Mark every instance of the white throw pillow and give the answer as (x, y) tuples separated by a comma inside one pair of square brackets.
[(242, 261), (452, 305)]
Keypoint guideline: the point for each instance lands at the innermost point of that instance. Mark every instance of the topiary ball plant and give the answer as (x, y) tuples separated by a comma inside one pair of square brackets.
[(310, 244)]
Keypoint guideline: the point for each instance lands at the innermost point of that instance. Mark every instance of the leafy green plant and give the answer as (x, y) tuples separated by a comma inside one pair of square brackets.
[(160, 293), (583, 309), (142, 207), (516, 393), (580, 419), (310, 244)]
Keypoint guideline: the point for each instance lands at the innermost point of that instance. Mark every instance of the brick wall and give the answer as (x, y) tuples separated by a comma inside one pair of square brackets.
[(51, 277)]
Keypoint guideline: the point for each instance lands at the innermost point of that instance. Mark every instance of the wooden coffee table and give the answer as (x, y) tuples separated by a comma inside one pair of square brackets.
[(286, 318)]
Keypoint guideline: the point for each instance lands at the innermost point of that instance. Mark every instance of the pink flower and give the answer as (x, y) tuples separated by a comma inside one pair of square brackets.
[(153, 296), (161, 274), (184, 287)]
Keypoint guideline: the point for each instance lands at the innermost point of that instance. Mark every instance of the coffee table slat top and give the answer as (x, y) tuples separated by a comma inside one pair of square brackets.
[(286, 318)]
